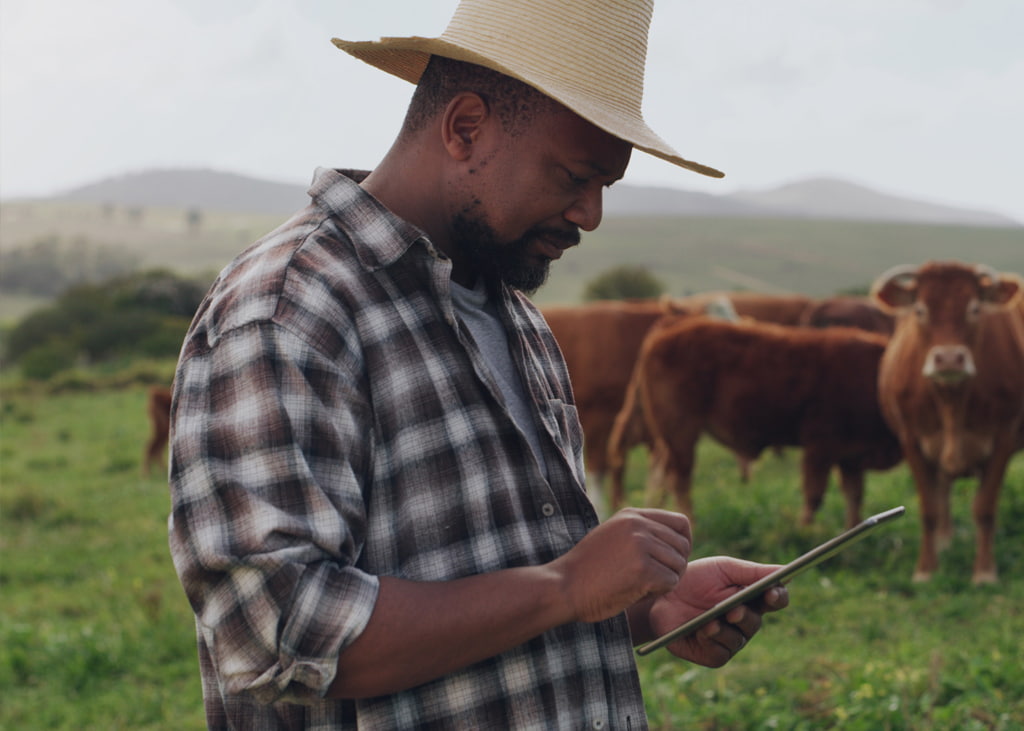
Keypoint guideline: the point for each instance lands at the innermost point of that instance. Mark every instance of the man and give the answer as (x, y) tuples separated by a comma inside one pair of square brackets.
[(378, 506)]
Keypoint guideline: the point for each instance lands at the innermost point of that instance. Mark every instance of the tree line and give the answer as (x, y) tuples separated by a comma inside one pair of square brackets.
[(49, 266)]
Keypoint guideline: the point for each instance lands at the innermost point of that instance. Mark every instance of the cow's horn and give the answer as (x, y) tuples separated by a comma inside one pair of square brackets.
[(987, 276), (901, 274)]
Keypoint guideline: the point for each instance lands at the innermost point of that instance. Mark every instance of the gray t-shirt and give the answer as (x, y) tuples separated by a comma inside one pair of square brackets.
[(480, 315)]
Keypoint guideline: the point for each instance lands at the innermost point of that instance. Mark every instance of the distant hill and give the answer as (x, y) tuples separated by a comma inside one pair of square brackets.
[(822, 198), (208, 190), (837, 199), (819, 198)]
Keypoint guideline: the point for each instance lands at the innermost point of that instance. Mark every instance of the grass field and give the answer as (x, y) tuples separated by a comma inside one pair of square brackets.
[(96, 633), (689, 254)]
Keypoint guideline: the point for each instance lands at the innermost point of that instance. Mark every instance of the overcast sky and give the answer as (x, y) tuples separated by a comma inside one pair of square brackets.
[(922, 98)]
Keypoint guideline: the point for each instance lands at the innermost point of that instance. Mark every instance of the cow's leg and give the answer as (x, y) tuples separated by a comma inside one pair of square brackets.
[(986, 500), (944, 500), (671, 429), (628, 429), (158, 406), (677, 459), (617, 453), (657, 491), (814, 479), (851, 481), (744, 465), (615, 458), (930, 499)]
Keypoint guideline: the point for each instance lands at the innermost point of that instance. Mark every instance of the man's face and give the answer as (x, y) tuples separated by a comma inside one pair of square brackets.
[(530, 197), (522, 263)]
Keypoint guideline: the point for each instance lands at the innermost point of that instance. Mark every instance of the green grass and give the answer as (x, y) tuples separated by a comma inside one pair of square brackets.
[(819, 258), (689, 254), (860, 646), (95, 632)]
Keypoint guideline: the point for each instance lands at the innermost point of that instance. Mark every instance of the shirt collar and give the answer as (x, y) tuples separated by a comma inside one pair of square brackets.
[(379, 237)]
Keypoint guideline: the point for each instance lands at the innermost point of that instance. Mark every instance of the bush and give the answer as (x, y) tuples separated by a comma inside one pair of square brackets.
[(43, 362), (624, 282), (165, 340), (143, 314)]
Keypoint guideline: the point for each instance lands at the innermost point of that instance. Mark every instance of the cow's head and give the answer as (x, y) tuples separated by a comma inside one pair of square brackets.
[(944, 302)]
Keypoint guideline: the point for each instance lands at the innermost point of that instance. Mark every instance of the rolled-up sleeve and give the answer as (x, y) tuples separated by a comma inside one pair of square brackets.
[(270, 453)]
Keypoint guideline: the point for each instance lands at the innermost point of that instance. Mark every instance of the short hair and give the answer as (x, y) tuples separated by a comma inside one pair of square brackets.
[(516, 103)]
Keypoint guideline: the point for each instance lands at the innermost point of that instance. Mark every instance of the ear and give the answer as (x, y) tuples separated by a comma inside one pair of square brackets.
[(895, 288), (997, 288), (463, 124)]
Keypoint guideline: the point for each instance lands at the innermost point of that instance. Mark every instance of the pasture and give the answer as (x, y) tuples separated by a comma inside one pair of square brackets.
[(96, 633), (688, 254)]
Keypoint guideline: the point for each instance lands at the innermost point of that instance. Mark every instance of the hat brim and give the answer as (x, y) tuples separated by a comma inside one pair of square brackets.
[(407, 58)]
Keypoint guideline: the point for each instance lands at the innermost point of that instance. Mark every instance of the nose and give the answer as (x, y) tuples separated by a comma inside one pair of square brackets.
[(587, 210), (949, 363)]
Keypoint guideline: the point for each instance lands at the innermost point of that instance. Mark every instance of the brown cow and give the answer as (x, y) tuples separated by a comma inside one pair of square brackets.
[(847, 311), (629, 429), (600, 341), (758, 385), (952, 387), (159, 407)]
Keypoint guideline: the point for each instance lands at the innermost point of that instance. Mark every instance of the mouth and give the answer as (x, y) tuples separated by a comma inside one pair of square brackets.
[(551, 245), (549, 250), (948, 378)]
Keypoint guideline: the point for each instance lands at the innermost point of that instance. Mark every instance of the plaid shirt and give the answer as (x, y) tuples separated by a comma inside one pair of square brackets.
[(333, 422)]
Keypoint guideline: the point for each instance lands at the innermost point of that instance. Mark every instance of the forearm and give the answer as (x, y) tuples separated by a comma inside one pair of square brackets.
[(639, 622), (420, 631)]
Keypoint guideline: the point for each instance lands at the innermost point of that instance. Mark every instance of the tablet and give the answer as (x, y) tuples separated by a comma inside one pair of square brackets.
[(780, 576)]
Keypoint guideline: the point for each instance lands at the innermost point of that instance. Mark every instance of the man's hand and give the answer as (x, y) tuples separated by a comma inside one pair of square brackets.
[(636, 554), (707, 582)]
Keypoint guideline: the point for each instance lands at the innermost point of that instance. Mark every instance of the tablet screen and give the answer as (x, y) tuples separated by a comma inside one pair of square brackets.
[(813, 557)]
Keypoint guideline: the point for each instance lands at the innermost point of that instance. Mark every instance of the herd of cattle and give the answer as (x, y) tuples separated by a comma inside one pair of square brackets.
[(928, 369)]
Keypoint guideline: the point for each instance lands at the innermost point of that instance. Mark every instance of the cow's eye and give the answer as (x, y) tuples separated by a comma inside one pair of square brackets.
[(921, 313), (973, 310)]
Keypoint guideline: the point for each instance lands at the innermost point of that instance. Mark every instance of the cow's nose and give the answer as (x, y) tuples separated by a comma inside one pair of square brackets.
[(949, 363)]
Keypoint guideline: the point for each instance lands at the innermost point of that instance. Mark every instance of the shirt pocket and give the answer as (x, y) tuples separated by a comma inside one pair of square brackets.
[(568, 435)]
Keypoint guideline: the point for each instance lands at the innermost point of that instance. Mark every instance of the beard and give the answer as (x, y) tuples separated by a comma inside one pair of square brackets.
[(510, 263)]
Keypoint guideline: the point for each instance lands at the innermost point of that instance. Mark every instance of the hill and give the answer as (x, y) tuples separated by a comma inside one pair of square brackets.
[(206, 190), (823, 198), (196, 222), (839, 200)]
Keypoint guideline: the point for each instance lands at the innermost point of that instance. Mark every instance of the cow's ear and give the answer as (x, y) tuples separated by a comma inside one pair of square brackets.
[(996, 288), (896, 288)]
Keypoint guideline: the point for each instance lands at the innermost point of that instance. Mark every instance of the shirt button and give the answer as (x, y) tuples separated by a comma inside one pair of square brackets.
[(547, 509)]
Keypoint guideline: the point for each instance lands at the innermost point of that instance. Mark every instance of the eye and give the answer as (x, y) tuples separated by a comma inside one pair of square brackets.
[(575, 179), (973, 310), (921, 313)]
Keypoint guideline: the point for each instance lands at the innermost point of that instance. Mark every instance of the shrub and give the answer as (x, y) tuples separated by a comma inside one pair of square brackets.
[(623, 282), (43, 362), (143, 314)]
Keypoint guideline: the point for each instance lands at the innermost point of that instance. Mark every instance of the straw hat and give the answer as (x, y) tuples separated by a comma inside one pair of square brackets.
[(588, 55)]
